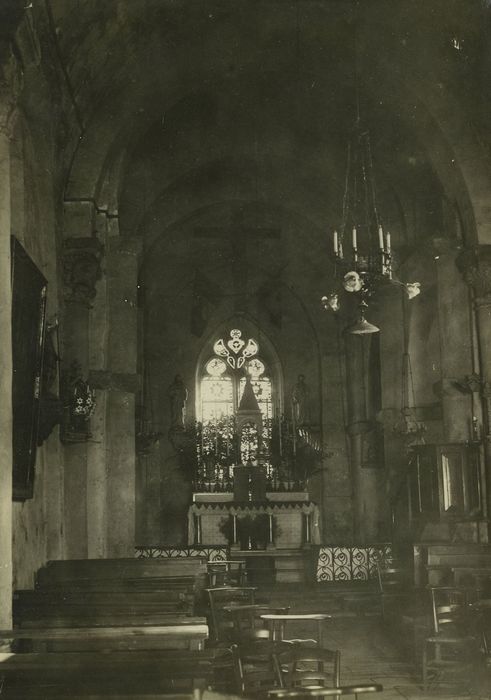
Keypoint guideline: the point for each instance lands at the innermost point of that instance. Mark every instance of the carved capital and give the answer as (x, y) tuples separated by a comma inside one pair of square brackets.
[(475, 267), (126, 244), (11, 83), (82, 269), (116, 381), (486, 390)]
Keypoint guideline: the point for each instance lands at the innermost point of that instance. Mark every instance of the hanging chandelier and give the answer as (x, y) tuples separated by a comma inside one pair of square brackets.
[(362, 248)]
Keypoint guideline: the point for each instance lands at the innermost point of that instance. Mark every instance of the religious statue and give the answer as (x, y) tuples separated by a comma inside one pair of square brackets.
[(300, 400), (178, 395), (79, 405)]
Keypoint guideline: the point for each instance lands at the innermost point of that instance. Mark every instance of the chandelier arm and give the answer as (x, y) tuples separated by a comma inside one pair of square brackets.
[(367, 198), (355, 184), (411, 383), (372, 181), (346, 202), (405, 383)]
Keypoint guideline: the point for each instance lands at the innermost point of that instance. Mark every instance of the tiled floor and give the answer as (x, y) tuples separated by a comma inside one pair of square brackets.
[(370, 652)]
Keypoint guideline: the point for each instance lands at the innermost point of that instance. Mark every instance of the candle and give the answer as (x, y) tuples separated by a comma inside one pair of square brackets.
[(354, 238), (307, 528), (341, 250), (380, 238), (336, 243), (280, 429), (387, 243)]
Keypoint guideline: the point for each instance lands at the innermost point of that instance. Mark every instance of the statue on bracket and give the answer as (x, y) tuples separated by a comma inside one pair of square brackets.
[(78, 406), (178, 396), (300, 402)]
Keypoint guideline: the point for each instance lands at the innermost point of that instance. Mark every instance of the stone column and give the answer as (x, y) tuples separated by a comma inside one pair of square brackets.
[(366, 463), (82, 268), (5, 373), (456, 350), (121, 278), (475, 266)]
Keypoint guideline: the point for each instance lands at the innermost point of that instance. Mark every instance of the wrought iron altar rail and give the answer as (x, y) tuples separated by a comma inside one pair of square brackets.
[(338, 563), (210, 552), (334, 563)]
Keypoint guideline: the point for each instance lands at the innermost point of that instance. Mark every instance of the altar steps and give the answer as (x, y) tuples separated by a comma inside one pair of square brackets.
[(267, 567)]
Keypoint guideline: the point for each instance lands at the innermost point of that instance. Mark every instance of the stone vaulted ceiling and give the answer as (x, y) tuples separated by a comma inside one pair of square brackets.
[(257, 99)]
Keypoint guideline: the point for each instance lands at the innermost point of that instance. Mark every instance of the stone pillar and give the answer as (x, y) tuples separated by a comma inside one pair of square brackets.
[(122, 275), (366, 460), (5, 374), (456, 350), (475, 266), (81, 267)]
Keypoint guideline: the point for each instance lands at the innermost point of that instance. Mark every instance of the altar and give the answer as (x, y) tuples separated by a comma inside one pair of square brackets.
[(287, 520), (252, 464)]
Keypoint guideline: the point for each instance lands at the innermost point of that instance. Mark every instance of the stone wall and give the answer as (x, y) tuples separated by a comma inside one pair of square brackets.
[(42, 131), (36, 176)]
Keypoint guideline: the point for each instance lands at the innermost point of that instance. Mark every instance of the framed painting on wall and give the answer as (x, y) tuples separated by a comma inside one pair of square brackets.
[(28, 330)]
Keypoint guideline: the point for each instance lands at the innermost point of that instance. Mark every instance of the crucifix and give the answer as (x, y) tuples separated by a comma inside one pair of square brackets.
[(237, 238)]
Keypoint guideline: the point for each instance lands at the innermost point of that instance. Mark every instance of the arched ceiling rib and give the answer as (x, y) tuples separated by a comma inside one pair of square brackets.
[(266, 72)]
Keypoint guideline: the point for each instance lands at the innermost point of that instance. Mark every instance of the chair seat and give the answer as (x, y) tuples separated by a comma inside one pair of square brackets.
[(450, 640)]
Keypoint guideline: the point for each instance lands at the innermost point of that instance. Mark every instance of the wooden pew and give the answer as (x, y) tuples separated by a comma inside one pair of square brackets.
[(118, 673), (434, 564), (111, 591), (29, 606), (91, 624), (184, 633), (125, 585), (88, 571)]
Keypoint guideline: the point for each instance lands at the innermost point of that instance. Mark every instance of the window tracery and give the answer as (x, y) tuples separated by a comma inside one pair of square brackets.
[(221, 387), (239, 419)]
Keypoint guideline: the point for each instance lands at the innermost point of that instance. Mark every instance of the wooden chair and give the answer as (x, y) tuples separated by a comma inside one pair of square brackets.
[(219, 598), (311, 667), (449, 647), (256, 667), (306, 693), (247, 622), (277, 624), (226, 573), (394, 586), (485, 649)]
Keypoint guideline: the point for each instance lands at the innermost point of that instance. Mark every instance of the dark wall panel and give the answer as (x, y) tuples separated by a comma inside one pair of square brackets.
[(28, 317)]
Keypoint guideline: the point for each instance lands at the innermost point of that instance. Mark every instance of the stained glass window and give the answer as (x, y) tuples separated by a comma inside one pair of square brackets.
[(216, 397), (221, 386), (221, 390)]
